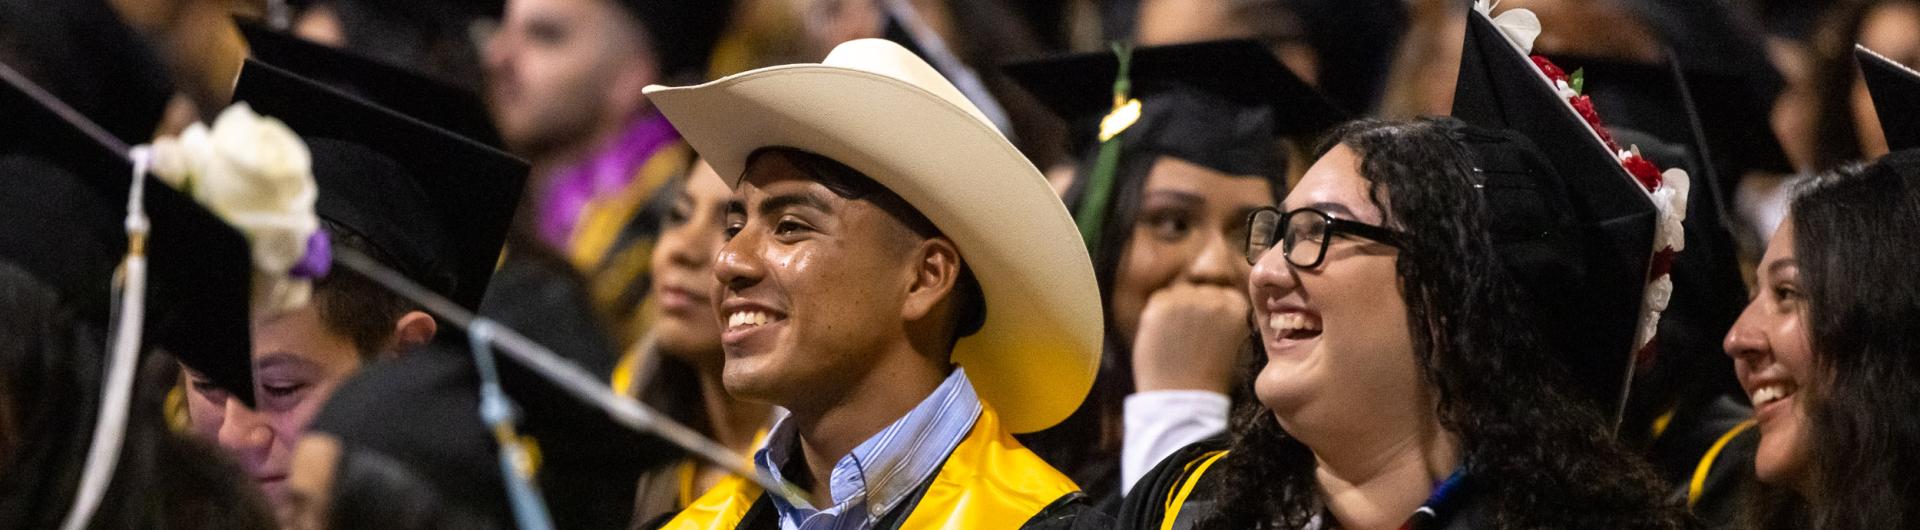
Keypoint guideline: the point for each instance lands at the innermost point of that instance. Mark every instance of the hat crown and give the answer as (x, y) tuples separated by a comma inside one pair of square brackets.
[(887, 58)]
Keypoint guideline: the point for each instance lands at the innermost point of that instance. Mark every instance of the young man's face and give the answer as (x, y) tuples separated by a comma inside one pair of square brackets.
[(559, 69), (812, 286), (297, 363)]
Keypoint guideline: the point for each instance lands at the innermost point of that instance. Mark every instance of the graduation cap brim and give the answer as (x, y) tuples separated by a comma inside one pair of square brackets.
[(424, 98), (471, 189), (1242, 71), (1896, 97), (1614, 220), (66, 201)]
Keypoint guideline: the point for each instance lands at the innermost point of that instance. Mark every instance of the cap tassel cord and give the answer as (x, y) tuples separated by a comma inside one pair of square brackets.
[(110, 428), (571, 378), (1092, 213), (516, 463)]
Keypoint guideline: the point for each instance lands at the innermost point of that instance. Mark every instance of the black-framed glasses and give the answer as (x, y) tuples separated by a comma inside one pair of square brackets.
[(1303, 234)]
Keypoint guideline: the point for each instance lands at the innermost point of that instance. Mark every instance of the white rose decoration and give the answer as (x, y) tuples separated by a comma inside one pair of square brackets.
[(256, 174)]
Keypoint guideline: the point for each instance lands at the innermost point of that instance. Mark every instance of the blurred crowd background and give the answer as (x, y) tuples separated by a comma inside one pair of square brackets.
[(1775, 75)]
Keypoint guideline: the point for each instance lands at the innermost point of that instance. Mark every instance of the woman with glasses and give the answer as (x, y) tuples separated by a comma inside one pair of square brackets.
[(1165, 224), (1404, 384), (1827, 352)]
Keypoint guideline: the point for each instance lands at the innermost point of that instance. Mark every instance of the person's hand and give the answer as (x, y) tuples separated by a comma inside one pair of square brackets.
[(1191, 337)]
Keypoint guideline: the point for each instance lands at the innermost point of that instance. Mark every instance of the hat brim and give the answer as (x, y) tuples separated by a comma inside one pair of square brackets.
[(1035, 357)]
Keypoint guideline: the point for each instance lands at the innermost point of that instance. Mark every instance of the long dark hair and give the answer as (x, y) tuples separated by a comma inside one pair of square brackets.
[(1855, 238), (1535, 455), (1087, 444)]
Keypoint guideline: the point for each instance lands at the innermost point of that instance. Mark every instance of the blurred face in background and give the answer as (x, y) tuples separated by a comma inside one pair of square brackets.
[(564, 75), (691, 235), (1190, 226)]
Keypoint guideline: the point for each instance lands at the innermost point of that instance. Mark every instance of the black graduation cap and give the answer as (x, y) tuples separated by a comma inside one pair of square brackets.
[(1730, 75), (1896, 97), (1220, 104), (1709, 291), (421, 413), (424, 98), (81, 52), (433, 204), (1573, 226), (67, 183), (683, 32), (1355, 41)]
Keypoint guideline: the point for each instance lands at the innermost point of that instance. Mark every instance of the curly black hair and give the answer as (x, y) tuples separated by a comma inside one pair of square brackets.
[(1535, 455)]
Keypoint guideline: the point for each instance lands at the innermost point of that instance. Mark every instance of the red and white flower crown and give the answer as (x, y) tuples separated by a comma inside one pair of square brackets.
[(1667, 189)]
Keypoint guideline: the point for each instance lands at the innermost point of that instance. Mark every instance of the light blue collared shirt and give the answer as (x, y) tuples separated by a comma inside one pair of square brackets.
[(882, 471)]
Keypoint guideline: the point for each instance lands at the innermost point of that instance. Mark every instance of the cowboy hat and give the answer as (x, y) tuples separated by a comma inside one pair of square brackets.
[(877, 108)]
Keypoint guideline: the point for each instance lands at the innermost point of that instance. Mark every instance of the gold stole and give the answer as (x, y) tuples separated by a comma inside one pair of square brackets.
[(990, 481)]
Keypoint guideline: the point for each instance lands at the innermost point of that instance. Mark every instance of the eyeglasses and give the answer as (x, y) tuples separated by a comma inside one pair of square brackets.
[(1303, 234)]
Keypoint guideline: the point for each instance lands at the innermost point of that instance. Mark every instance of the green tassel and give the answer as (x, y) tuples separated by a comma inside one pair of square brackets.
[(1093, 207)]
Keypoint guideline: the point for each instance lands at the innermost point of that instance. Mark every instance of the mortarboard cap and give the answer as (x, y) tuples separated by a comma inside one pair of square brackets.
[(81, 52), (65, 205), (1355, 42), (433, 204), (1730, 75), (1219, 104), (424, 98), (422, 411), (1709, 290), (1573, 226), (1896, 97)]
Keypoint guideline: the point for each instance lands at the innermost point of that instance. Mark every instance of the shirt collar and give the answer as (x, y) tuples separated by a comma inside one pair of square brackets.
[(883, 470)]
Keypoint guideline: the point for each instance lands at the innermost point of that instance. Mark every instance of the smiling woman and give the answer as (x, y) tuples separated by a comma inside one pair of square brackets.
[(1404, 381), (1826, 351)]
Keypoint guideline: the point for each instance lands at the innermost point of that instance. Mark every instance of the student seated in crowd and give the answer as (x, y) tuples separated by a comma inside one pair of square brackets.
[(901, 281), (1162, 206), (420, 199), (1826, 354)]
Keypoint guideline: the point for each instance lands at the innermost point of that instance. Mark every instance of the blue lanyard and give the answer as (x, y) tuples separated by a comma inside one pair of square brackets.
[(1444, 494)]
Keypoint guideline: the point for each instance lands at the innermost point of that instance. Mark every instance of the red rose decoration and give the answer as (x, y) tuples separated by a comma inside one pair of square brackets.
[(1554, 73), (1643, 171), (1661, 264), (1584, 106), (1643, 360)]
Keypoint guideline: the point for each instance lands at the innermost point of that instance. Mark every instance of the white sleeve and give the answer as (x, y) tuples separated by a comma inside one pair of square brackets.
[(1163, 421)]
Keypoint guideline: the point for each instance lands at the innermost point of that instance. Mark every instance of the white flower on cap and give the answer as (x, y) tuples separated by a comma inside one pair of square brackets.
[(256, 174)]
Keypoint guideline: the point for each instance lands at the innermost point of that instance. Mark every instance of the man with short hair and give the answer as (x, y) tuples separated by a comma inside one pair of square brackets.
[(565, 80), (903, 282)]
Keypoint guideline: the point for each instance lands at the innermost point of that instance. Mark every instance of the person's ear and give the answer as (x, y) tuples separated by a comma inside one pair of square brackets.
[(936, 269), (413, 331)]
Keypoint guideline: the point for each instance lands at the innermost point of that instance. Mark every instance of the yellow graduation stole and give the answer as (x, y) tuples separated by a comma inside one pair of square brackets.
[(990, 481)]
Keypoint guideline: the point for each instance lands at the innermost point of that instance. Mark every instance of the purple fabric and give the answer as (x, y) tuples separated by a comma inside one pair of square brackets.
[(603, 173), (318, 260)]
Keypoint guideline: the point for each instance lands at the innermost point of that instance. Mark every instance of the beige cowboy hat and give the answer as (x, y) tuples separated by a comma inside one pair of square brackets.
[(877, 108)]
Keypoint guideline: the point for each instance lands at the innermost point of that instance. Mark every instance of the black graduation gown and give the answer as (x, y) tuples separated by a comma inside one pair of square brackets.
[(1145, 508)]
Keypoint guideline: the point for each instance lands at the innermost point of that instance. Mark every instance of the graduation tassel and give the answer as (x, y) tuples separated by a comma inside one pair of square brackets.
[(129, 322), (1092, 213), (517, 464), (574, 380)]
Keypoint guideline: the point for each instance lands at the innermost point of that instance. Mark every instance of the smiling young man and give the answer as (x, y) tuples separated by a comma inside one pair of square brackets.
[(903, 281)]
